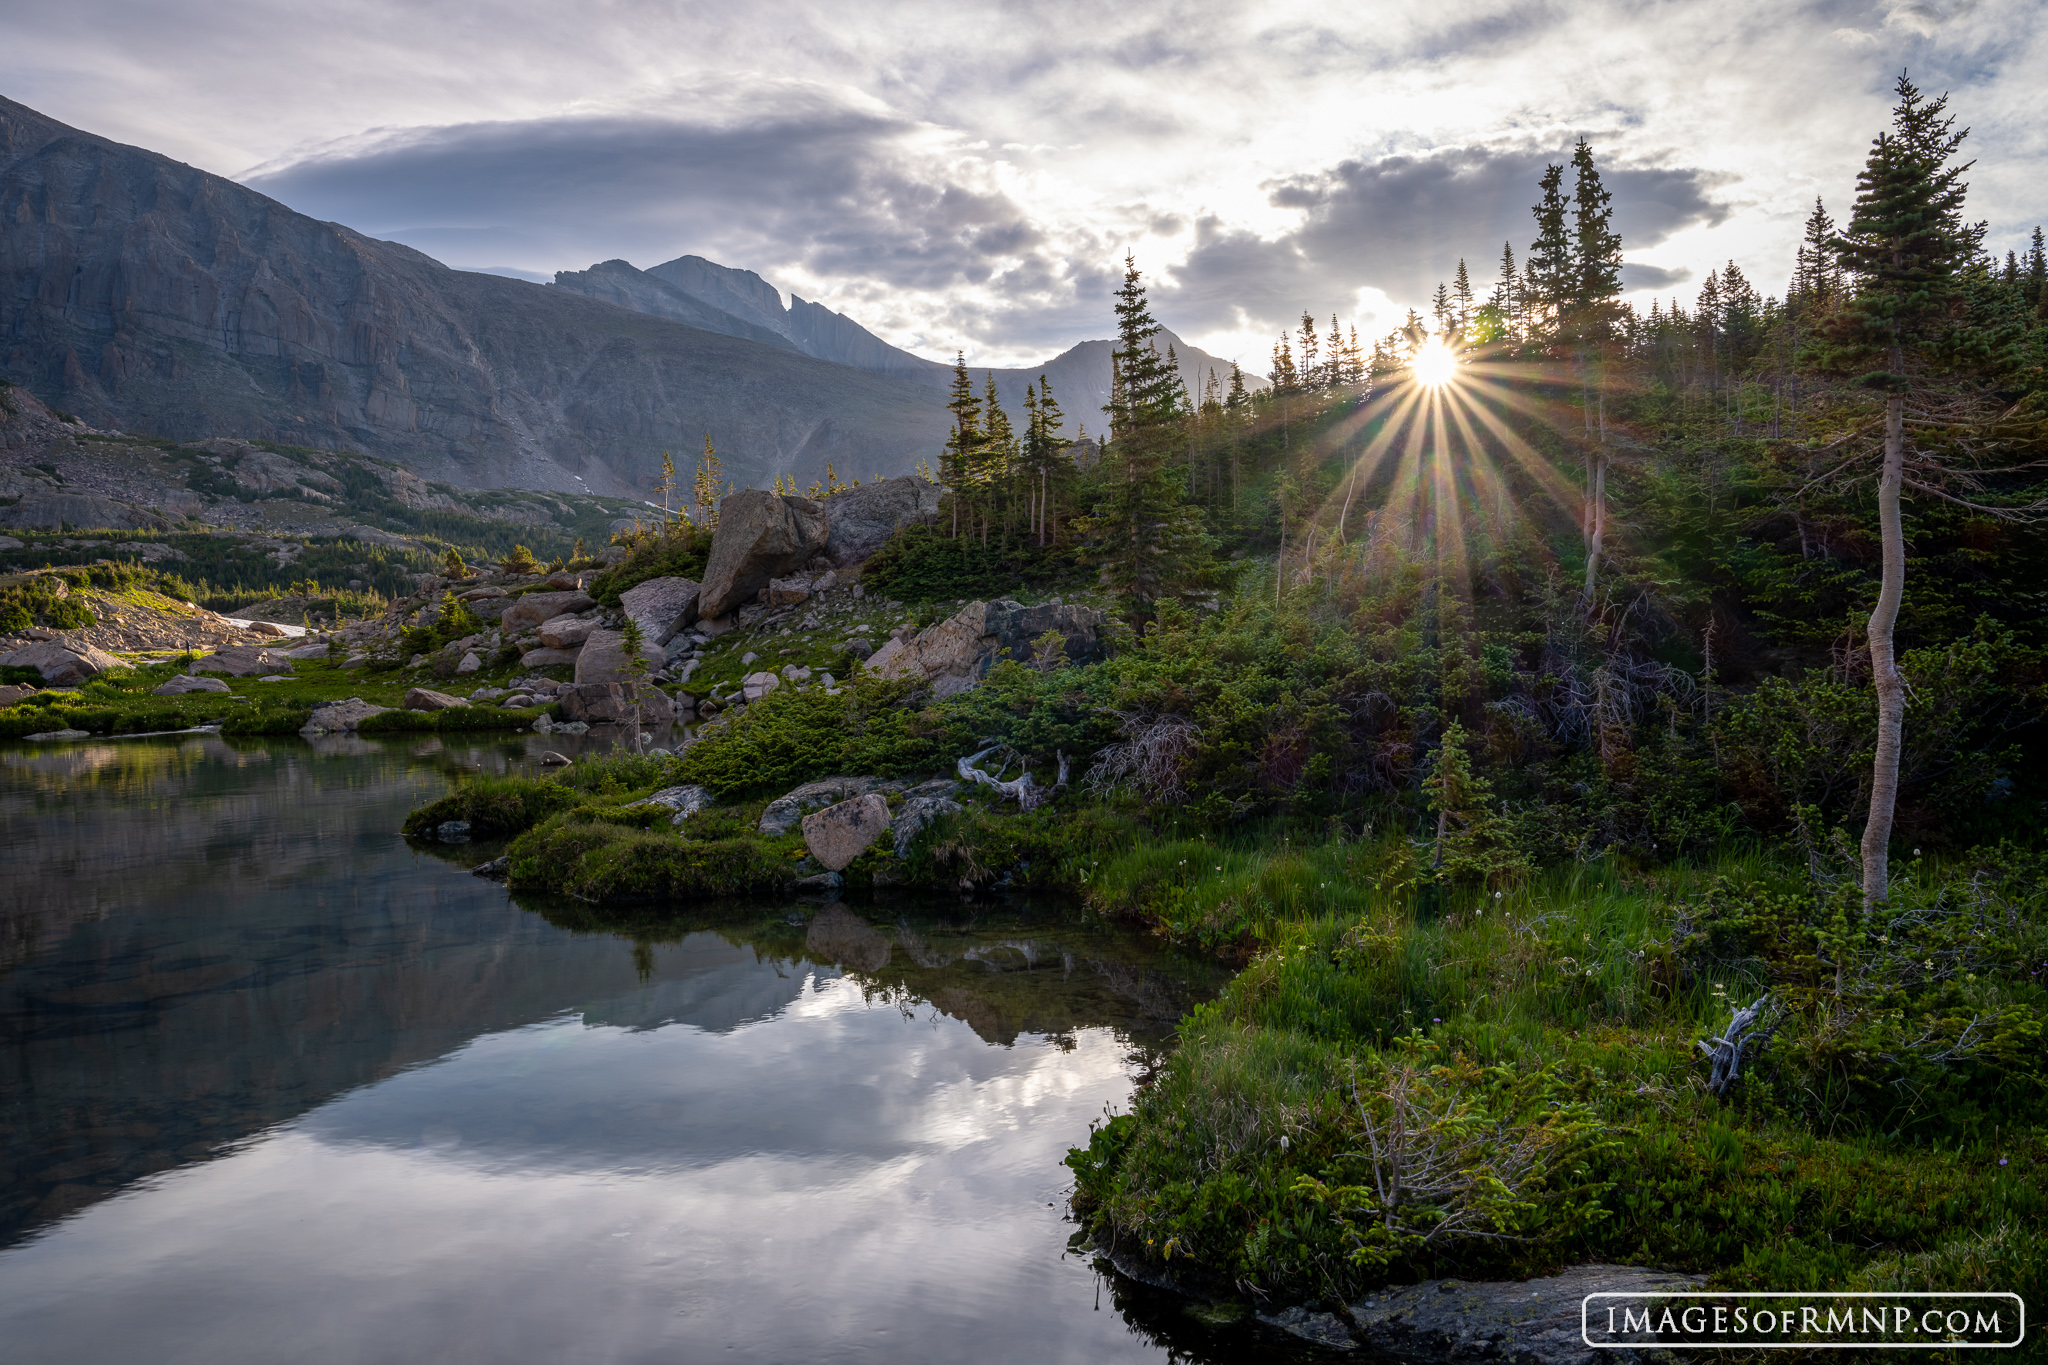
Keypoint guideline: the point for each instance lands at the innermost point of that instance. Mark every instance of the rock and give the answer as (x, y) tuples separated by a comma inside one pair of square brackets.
[(548, 658), (516, 702), (788, 592), (956, 653), (795, 673), (319, 651), (266, 629), (684, 801), (58, 511), (537, 607), (861, 520), (758, 685), (184, 683), (495, 870), (554, 760), (603, 658), (11, 693), (608, 703), (919, 812), (1324, 1329), (662, 606), (713, 627), (62, 734), (9, 543), (785, 810), (452, 831), (566, 632), (426, 699), (480, 594), (242, 662), (818, 881), (861, 649), (574, 727), (1465, 1320), (683, 674), (566, 581), (470, 664), (61, 664), (838, 834), (760, 536), (341, 715)]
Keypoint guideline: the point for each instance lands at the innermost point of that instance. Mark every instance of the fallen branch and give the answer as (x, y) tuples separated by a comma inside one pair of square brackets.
[(1726, 1051), (1022, 789)]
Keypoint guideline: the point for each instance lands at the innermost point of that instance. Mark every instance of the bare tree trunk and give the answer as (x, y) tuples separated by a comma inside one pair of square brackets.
[(1596, 512), (1884, 668)]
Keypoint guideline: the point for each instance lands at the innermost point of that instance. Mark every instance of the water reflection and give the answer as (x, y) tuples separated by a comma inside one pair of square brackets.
[(278, 1086)]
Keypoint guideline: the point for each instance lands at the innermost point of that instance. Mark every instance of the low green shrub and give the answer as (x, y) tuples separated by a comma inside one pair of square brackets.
[(495, 806), (595, 860), (789, 737)]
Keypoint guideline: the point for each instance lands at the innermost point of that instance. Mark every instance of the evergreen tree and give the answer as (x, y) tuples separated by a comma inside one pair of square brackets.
[(1905, 246), (963, 446), (1461, 296), (1507, 293), (1551, 275), (2035, 285), (705, 491), (996, 460), (1144, 530), (1589, 317)]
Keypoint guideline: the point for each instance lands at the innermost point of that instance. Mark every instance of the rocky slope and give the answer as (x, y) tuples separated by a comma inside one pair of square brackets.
[(143, 294)]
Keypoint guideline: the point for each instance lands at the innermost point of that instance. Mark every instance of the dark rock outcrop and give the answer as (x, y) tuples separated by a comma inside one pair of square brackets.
[(862, 519), (1506, 1322)]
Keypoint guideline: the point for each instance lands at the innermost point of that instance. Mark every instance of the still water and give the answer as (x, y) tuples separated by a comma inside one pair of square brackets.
[(279, 1087)]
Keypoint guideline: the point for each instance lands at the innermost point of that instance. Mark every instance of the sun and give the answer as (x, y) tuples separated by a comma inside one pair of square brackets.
[(1433, 364)]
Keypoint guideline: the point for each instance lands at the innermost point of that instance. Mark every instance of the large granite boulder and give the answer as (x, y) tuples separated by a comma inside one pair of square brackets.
[(427, 699), (602, 703), (243, 662), (663, 607), (548, 658), (566, 632), (537, 607), (603, 658), (11, 693), (760, 536), (785, 810), (957, 653), (185, 682), (862, 519), (61, 664), (343, 716), (838, 834)]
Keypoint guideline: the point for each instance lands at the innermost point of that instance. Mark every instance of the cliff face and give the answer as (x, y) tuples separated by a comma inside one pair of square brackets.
[(144, 295)]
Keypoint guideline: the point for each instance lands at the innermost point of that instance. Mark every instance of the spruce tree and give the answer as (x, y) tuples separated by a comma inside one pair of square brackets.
[(1551, 273), (963, 446), (1905, 246), (1589, 319)]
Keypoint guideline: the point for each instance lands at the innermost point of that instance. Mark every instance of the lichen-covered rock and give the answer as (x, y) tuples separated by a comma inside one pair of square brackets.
[(1517, 1322), (426, 699), (758, 685), (685, 801), (61, 664), (916, 816), (760, 536), (183, 683), (957, 653), (343, 716), (838, 834), (663, 607), (548, 658), (607, 703), (785, 810)]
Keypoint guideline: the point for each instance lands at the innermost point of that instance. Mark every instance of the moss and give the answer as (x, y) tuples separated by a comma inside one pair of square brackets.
[(596, 860), (495, 806)]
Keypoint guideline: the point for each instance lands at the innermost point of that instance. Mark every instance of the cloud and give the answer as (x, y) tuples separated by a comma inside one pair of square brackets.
[(1636, 275), (1401, 223)]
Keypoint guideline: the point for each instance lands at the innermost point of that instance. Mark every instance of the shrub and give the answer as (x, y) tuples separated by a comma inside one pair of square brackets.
[(495, 806), (595, 860)]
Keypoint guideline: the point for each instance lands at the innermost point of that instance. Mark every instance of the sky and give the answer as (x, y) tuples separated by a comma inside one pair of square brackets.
[(970, 176)]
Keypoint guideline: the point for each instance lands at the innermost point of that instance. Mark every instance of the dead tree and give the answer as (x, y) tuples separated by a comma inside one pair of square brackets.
[(1021, 789), (1726, 1051)]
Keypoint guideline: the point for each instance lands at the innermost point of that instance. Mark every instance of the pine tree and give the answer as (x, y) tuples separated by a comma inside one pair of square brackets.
[(1905, 245), (1308, 375), (997, 458), (2035, 286), (1144, 529), (1507, 293), (1589, 317), (1440, 308), (1461, 296), (963, 446), (704, 489), (1551, 275)]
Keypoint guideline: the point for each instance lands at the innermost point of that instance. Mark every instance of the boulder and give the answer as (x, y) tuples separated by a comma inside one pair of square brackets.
[(917, 814), (341, 715), (755, 686), (426, 699), (184, 682), (785, 810), (479, 594), (663, 607), (838, 834), (862, 519), (760, 536), (684, 801), (547, 658), (319, 651), (63, 734), (244, 662), (61, 664), (566, 632), (956, 653), (564, 581), (469, 664), (268, 630), (14, 692), (603, 658), (788, 592), (537, 607), (603, 703)]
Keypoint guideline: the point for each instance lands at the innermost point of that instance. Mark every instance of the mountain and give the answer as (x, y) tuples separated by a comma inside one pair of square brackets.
[(146, 295), (741, 303)]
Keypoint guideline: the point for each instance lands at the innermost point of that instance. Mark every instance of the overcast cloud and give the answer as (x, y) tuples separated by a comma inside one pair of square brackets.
[(971, 176)]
